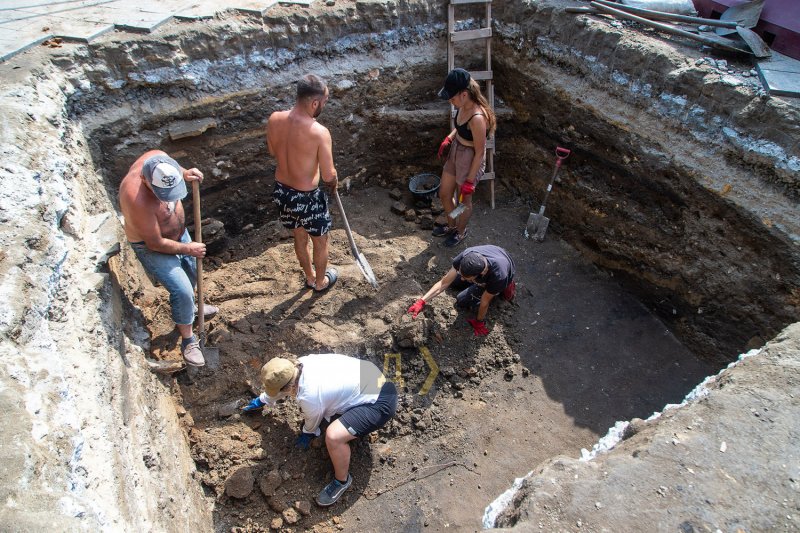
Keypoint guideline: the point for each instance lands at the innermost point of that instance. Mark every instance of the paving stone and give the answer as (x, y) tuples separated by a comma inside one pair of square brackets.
[(780, 75)]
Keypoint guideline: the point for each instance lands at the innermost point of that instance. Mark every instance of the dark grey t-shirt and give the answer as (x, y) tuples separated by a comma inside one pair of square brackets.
[(501, 267)]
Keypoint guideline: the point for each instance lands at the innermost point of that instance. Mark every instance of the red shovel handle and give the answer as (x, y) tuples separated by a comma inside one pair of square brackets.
[(561, 154)]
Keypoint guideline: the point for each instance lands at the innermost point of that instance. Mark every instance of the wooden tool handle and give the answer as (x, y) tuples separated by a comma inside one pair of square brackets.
[(198, 237), (353, 247)]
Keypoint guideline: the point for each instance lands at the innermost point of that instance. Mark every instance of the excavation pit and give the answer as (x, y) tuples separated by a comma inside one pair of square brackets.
[(653, 275)]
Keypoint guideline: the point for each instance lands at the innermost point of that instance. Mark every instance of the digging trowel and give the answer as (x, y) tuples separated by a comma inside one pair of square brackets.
[(211, 354), (537, 223)]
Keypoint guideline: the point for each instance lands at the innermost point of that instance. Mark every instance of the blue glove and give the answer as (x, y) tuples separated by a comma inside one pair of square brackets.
[(254, 404), (304, 440)]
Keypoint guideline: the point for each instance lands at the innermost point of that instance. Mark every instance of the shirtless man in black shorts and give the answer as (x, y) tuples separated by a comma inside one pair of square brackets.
[(304, 153)]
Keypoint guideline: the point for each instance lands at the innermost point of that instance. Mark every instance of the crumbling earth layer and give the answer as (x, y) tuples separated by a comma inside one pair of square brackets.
[(682, 187)]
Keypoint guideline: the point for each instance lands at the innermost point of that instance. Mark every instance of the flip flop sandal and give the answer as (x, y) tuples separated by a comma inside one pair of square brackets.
[(332, 276)]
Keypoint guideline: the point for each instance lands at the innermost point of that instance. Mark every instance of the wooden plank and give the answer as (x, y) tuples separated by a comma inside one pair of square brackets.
[(489, 53), (481, 75), (470, 35), (451, 24)]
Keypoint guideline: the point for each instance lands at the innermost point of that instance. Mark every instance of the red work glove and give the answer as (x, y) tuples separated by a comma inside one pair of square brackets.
[(416, 308), (467, 188), (478, 327), (444, 148)]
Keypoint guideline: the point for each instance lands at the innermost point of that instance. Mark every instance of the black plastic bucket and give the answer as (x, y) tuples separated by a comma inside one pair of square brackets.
[(424, 186)]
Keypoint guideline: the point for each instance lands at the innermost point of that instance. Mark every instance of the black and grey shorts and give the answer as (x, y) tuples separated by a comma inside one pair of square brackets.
[(364, 419), (306, 209)]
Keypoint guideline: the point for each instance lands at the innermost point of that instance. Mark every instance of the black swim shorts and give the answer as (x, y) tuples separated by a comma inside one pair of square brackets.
[(306, 209), (364, 419)]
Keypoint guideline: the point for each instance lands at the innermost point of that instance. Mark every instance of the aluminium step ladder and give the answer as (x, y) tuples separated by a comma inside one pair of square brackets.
[(485, 34)]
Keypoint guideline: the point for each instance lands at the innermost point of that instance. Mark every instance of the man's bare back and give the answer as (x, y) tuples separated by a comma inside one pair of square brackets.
[(302, 148)]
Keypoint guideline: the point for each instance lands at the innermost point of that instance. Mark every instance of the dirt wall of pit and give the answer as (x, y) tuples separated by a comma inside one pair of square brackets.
[(683, 180), (91, 438)]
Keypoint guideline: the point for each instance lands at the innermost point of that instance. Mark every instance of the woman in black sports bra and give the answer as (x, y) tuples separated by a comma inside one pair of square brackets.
[(466, 160)]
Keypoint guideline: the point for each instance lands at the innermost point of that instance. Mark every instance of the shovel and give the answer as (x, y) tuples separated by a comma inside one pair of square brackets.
[(361, 261), (211, 354), (537, 223), (734, 23), (745, 15)]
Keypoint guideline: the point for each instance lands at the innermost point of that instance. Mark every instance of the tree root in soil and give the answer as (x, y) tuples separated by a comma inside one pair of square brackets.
[(434, 469)]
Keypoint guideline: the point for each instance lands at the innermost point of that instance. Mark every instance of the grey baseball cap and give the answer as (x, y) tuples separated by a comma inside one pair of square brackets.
[(165, 176)]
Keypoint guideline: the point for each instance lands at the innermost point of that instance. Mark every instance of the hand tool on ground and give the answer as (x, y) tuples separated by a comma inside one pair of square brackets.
[(745, 15), (460, 207), (361, 261), (732, 24), (537, 223), (710, 39), (209, 353)]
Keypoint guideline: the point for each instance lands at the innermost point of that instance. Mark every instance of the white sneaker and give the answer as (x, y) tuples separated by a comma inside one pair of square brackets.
[(209, 311)]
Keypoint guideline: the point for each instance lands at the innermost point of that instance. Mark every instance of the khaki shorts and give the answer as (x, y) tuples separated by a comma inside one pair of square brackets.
[(460, 159)]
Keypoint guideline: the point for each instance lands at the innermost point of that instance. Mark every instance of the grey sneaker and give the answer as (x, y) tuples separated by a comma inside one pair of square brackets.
[(455, 238), (193, 355), (332, 491), (209, 311)]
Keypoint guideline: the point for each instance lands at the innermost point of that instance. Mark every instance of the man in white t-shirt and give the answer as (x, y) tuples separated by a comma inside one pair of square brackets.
[(326, 385)]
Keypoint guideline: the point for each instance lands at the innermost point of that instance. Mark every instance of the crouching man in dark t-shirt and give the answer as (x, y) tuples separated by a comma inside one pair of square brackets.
[(485, 271)]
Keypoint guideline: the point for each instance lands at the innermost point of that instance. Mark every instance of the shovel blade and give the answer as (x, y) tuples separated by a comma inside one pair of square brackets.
[(455, 213), (541, 229), (366, 270), (760, 49), (211, 354), (536, 227)]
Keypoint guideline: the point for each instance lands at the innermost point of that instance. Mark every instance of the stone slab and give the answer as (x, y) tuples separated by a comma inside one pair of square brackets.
[(22, 21), (780, 75), (56, 8), (81, 31), (13, 43), (190, 128), (203, 9), (259, 8), (781, 62), (780, 83)]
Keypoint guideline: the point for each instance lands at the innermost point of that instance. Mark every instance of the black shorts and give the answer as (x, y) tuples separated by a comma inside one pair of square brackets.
[(306, 209), (364, 419)]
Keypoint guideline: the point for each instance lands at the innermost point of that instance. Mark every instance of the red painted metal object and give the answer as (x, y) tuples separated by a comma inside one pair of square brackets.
[(779, 25)]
